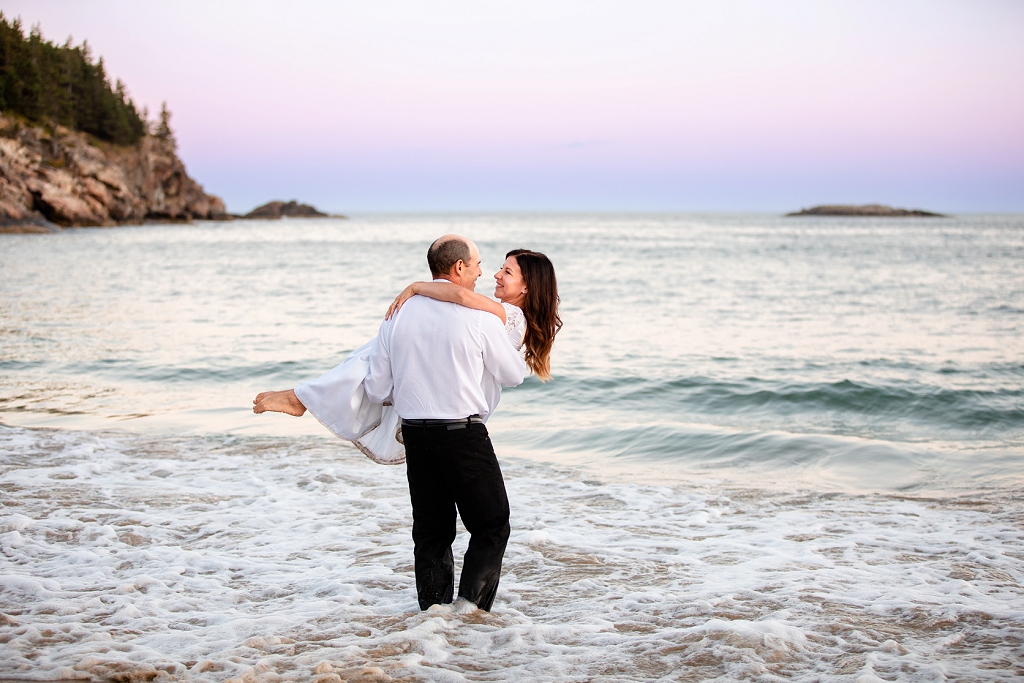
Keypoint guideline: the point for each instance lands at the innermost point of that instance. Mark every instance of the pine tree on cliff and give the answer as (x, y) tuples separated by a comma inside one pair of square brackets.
[(60, 84), (163, 128)]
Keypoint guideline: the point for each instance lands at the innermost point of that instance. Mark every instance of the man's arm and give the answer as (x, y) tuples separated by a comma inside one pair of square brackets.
[(379, 382), (500, 358)]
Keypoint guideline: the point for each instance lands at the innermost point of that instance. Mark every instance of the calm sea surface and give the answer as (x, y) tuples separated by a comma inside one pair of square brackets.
[(773, 446)]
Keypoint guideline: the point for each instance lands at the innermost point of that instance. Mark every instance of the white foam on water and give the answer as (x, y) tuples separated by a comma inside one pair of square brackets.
[(268, 559)]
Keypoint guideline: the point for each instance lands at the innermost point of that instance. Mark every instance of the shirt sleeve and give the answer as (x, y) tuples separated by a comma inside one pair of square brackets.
[(515, 324), (380, 382), (501, 359)]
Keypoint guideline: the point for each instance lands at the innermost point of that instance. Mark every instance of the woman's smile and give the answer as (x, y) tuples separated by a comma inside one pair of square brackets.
[(509, 285)]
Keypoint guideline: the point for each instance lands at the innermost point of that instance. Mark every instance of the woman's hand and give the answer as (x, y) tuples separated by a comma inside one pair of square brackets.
[(404, 296)]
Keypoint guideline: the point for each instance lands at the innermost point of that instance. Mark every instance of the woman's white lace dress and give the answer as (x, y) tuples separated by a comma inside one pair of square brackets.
[(338, 401)]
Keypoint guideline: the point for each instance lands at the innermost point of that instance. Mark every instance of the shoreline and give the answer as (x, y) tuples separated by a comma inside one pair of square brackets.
[(635, 470)]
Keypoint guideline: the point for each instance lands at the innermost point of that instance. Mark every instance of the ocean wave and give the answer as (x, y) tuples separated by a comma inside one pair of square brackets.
[(826, 461), (988, 410), (985, 409), (199, 371)]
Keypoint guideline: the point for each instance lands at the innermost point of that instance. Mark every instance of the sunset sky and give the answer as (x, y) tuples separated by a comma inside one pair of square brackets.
[(650, 106)]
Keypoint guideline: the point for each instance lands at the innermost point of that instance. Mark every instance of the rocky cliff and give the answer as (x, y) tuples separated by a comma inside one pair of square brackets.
[(64, 178)]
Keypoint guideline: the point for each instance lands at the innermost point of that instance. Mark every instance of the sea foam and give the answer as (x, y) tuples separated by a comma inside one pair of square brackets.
[(270, 559)]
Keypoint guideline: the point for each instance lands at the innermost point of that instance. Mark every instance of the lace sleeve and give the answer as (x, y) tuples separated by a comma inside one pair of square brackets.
[(515, 324)]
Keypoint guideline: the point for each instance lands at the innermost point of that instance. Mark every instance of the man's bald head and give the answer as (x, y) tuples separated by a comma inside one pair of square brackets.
[(445, 252)]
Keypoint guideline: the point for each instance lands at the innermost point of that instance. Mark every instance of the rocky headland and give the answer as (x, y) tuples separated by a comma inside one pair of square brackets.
[(864, 210), (52, 177)]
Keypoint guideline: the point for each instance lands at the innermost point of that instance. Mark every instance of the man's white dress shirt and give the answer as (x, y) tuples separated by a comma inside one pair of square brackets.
[(435, 361)]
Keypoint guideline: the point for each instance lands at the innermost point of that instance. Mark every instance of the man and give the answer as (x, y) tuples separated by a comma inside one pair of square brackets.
[(433, 362)]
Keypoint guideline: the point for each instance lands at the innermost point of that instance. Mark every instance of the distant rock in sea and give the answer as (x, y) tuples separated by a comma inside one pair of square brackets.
[(52, 177), (865, 210), (290, 209)]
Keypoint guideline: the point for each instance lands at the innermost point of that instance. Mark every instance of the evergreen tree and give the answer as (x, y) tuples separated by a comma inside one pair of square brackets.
[(163, 128), (60, 84)]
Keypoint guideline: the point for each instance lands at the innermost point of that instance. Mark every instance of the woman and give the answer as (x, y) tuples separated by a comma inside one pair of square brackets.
[(528, 305)]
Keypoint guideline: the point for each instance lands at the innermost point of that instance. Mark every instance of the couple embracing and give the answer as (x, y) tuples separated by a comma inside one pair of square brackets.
[(421, 391)]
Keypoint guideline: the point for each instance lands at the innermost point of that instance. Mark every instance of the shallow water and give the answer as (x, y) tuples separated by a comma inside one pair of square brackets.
[(773, 448), (253, 558)]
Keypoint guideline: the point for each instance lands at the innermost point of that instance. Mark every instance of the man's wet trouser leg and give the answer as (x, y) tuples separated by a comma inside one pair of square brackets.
[(454, 467)]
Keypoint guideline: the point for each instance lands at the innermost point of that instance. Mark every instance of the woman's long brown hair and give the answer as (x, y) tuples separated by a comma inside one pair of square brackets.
[(540, 308)]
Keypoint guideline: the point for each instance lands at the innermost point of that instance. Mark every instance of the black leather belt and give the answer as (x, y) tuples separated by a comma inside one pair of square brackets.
[(451, 424)]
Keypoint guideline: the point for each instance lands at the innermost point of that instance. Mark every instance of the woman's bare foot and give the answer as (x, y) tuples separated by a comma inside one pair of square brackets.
[(278, 402)]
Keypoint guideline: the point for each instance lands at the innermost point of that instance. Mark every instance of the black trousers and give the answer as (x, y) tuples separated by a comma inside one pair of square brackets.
[(449, 467)]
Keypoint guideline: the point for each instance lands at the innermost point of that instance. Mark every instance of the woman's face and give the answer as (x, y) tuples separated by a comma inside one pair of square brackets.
[(509, 285)]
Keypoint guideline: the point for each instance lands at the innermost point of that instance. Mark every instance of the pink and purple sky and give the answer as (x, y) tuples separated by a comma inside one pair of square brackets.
[(536, 106)]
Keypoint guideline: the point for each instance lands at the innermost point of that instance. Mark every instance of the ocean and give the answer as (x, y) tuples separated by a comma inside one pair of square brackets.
[(773, 448)]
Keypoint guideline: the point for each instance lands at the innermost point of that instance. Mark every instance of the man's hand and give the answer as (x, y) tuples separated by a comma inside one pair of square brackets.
[(278, 402)]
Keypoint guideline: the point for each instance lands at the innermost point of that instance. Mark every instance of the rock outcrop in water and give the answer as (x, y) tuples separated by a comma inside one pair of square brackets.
[(278, 209), (865, 210), (59, 177)]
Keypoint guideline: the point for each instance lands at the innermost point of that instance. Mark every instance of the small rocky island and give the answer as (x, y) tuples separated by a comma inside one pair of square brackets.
[(278, 209), (875, 210)]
